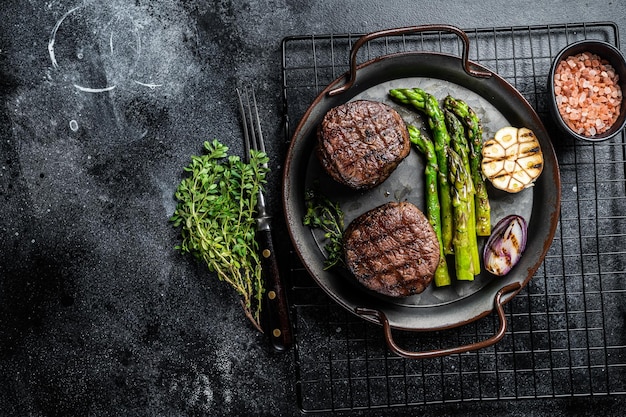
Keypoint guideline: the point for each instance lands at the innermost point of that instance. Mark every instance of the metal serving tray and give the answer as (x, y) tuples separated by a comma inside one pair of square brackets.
[(566, 328)]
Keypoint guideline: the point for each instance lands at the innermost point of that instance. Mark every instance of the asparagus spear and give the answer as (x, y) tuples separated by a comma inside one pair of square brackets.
[(433, 210), (460, 146), (461, 186), (428, 104), (475, 136)]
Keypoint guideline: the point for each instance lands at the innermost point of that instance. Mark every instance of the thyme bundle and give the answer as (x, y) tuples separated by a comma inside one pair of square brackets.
[(216, 212)]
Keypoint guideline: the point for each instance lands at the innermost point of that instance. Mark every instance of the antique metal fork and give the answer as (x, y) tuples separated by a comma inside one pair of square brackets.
[(276, 311)]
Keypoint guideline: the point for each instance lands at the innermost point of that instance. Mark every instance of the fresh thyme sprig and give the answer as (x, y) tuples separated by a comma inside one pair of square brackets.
[(322, 213), (216, 212)]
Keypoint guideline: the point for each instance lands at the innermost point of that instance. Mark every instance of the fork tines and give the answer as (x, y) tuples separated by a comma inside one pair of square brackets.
[(253, 137)]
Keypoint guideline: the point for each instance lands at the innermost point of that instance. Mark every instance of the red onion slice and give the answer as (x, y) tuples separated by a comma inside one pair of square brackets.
[(506, 244)]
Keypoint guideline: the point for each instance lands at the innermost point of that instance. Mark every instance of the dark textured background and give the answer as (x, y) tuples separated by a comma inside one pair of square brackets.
[(99, 315)]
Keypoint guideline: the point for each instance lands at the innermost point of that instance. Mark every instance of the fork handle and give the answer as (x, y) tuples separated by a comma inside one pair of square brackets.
[(276, 307)]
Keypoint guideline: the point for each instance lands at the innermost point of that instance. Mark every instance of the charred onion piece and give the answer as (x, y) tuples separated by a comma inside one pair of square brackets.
[(512, 159), (506, 244)]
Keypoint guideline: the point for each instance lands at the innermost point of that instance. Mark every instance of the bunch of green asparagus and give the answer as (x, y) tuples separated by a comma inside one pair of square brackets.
[(457, 204)]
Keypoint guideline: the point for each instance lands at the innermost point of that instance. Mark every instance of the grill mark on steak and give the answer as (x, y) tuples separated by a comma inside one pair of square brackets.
[(360, 143), (392, 249)]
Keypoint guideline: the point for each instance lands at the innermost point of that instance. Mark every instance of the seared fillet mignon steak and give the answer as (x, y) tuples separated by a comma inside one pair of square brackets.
[(360, 143), (392, 249)]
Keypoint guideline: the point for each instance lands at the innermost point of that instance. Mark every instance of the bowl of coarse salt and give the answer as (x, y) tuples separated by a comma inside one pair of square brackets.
[(586, 84)]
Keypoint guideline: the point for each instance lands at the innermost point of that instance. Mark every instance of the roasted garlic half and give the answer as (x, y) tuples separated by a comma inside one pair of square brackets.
[(512, 159)]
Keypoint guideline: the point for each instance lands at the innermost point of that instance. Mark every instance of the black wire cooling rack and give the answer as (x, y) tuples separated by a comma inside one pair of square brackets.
[(566, 334)]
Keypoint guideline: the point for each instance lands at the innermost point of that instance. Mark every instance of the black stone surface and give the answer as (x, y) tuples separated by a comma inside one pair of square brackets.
[(99, 315)]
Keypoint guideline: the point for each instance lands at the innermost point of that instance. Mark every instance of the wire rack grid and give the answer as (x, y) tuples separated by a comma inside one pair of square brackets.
[(566, 328)]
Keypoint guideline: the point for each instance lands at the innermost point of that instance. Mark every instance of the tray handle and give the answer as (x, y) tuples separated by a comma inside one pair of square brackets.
[(382, 319), (404, 31)]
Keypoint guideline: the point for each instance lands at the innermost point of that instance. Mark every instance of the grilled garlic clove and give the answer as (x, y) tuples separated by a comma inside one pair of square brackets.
[(512, 159)]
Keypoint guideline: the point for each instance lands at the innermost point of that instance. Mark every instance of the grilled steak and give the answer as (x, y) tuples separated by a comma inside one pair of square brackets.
[(392, 249), (361, 142)]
